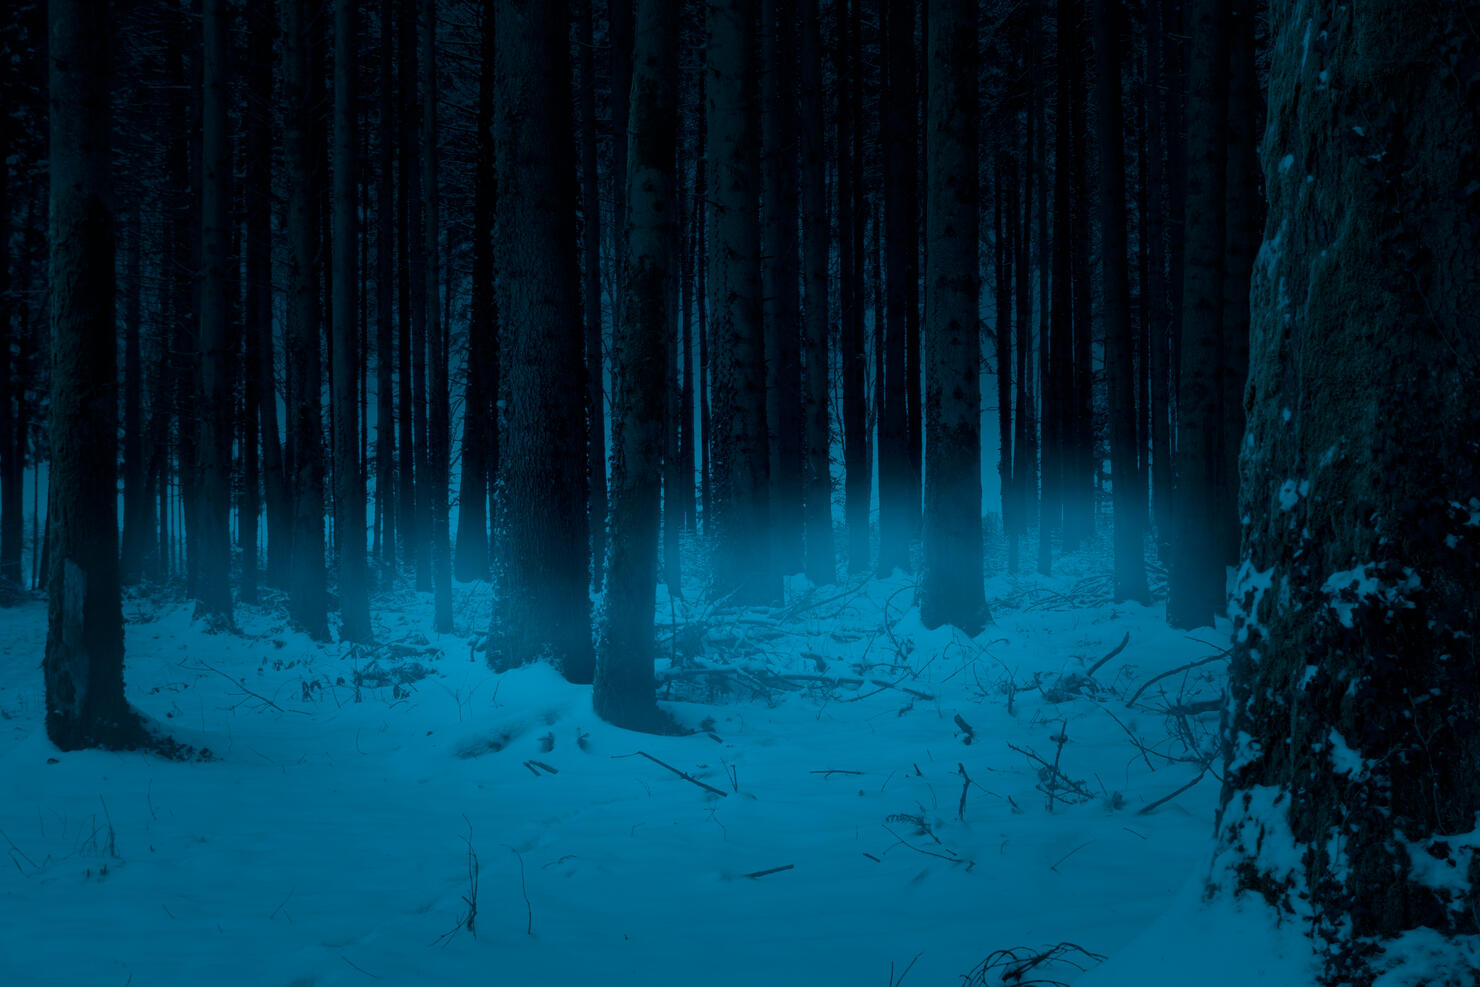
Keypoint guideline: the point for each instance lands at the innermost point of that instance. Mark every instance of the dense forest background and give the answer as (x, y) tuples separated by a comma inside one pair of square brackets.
[(309, 302)]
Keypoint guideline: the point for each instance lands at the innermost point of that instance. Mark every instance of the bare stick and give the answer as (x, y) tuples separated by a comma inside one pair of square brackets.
[(1167, 798), (1182, 668), (682, 774), (1057, 756), (929, 853), (772, 870), (1055, 866), (834, 771), (1115, 651), (524, 889)]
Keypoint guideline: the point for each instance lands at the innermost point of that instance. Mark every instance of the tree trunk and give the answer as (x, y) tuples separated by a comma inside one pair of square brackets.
[(624, 687), (349, 492), (951, 590), (1130, 558), (897, 512), (821, 566), (591, 269), (306, 576), (1197, 581), (1245, 211), (542, 607), (780, 284), (85, 705), (742, 558), (480, 416), (138, 522), (1079, 455), (1353, 775), (217, 352), (852, 358), (385, 332), (439, 412)]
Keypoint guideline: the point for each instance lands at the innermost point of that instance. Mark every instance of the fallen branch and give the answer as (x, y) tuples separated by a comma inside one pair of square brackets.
[(1146, 810), (772, 870), (1114, 651), (682, 774), (1182, 668)]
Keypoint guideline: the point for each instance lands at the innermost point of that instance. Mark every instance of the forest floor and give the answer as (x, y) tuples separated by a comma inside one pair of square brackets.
[(862, 802)]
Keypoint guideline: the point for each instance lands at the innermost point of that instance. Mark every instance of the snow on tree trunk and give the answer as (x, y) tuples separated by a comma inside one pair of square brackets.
[(1353, 777)]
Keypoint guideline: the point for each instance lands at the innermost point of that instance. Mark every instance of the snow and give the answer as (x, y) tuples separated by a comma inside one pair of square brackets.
[(330, 839), (1290, 493), (1347, 589)]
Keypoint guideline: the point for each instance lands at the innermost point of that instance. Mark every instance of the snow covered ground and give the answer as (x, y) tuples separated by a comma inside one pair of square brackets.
[(862, 802)]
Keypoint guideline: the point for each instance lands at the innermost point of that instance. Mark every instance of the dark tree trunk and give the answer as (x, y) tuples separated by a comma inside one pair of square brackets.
[(85, 705), (212, 541), (349, 491), (138, 520), (439, 412), (1350, 726), (624, 689), (780, 284), (542, 607), (1245, 211), (898, 492), (951, 590), (591, 270), (1025, 425), (852, 358), (821, 566), (306, 574), (1003, 259), (1159, 304), (742, 558), (415, 530), (385, 331), (480, 417), (1197, 583), (1079, 457), (1130, 558)]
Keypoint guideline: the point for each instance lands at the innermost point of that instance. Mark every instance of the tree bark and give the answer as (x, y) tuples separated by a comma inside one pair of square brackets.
[(306, 575), (83, 666), (1352, 780), (1197, 583), (624, 690), (821, 566), (780, 284), (542, 608), (951, 590), (439, 412), (349, 492), (743, 569), (1130, 557)]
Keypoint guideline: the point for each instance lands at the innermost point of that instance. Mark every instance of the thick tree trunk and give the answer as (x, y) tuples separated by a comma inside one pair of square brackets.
[(1353, 776), (821, 566), (542, 609), (1130, 557), (85, 705), (349, 491), (1159, 305), (951, 590), (1198, 583), (743, 570), (624, 687)]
